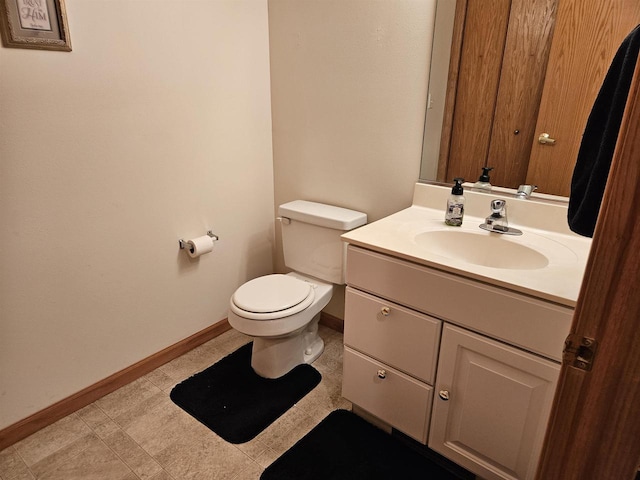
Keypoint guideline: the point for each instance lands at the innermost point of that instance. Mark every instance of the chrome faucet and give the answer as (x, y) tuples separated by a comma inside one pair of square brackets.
[(497, 222), (498, 218), (525, 191)]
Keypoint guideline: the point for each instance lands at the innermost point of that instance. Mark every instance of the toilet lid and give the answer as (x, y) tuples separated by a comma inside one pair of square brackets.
[(272, 293)]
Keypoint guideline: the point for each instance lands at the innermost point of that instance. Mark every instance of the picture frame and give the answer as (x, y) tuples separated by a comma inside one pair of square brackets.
[(35, 24)]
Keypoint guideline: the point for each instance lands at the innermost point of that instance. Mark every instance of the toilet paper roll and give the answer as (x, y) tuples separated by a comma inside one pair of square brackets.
[(199, 246)]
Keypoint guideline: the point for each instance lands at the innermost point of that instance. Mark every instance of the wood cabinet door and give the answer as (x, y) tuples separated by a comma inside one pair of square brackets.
[(586, 38), (491, 405)]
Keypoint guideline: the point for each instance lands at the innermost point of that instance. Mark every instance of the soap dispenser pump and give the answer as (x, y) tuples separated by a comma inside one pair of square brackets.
[(483, 181), (455, 204)]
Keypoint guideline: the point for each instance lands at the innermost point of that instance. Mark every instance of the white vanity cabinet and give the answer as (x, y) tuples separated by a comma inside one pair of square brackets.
[(468, 367)]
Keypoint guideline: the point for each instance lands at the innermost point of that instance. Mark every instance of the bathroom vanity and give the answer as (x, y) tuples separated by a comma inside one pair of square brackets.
[(454, 336)]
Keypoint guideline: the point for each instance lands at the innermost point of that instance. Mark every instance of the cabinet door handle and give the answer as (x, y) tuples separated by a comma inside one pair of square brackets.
[(545, 139), (444, 394), (385, 311), (382, 374)]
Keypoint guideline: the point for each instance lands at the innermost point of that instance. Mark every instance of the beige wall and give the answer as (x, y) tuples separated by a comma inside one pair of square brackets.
[(158, 126), (155, 127), (349, 86)]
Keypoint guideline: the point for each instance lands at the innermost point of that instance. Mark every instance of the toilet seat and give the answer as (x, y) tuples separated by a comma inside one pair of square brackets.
[(272, 296)]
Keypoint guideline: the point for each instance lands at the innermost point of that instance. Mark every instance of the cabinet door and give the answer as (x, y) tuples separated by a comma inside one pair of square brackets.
[(491, 406)]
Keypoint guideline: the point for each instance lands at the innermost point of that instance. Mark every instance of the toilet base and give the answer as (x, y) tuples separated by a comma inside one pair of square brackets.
[(273, 357)]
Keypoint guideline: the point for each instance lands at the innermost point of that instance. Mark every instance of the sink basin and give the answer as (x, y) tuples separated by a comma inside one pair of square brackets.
[(547, 261), (488, 250)]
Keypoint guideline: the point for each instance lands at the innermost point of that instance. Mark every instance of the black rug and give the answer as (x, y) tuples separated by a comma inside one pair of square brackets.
[(345, 447), (235, 402)]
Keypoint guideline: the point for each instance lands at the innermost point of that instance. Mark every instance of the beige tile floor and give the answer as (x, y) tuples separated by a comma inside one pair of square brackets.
[(137, 432)]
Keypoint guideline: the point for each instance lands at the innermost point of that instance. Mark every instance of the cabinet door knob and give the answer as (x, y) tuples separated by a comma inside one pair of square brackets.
[(444, 394), (382, 373), (385, 311)]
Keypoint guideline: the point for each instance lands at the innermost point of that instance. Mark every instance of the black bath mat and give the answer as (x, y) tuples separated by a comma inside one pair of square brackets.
[(235, 402), (345, 447)]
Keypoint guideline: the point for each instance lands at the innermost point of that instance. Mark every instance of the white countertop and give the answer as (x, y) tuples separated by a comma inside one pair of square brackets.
[(558, 281)]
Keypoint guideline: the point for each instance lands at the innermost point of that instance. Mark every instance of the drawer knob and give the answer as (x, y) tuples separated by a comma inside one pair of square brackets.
[(382, 374), (444, 394), (385, 311)]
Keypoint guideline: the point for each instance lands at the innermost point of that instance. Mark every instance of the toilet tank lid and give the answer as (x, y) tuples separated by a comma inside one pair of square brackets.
[(322, 215)]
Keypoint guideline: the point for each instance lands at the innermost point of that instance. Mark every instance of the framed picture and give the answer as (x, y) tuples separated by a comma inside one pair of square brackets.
[(40, 24)]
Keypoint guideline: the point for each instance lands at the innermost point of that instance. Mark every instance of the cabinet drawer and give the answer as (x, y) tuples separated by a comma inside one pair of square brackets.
[(520, 320), (397, 336), (397, 399)]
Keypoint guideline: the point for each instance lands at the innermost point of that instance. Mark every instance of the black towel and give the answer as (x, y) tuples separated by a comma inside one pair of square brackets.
[(599, 138)]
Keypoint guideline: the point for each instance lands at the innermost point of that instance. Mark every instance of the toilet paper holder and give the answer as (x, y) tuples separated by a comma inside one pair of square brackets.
[(184, 243)]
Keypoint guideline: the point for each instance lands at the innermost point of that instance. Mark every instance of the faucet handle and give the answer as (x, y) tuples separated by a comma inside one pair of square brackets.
[(497, 222), (497, 205), (525, 191)]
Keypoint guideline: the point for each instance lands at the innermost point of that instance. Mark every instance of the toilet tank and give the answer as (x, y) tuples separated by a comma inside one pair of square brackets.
[(311, 238)]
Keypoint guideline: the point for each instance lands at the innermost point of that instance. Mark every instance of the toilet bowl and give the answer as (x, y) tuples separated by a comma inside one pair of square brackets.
[(281, 312)]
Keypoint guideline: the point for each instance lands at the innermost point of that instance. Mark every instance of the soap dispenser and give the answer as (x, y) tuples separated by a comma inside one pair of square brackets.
[(483, 185), (455, 205)]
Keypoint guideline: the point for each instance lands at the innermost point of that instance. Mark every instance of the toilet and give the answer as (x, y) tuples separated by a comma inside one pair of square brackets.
[(281, 312)]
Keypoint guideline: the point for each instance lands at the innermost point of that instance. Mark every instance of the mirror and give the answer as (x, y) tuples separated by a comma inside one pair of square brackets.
[(440, 58), (518, 70)]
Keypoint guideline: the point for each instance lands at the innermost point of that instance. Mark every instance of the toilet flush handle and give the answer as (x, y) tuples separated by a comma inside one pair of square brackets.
[(284, 220)]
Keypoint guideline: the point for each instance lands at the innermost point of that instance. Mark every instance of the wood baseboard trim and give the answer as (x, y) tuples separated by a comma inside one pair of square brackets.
[(33, 423), (332, 322)]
